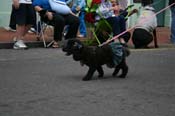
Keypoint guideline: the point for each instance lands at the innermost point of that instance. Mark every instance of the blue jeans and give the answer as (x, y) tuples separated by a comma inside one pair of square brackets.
[(82, 27), (173, 25)]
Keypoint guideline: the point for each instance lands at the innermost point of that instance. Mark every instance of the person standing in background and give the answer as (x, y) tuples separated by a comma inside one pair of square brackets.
[(78, 7), (12, 23), (172, 38), (25, 18)]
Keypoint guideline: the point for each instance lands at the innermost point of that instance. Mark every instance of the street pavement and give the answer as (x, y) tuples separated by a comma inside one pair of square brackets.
[(45, 82)]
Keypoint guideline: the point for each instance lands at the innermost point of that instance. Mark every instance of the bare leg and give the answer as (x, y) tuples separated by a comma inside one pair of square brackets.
[(20, 31), (27, 28)]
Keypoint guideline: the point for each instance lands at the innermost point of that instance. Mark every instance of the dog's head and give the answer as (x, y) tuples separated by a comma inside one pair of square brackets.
[(73, 47)]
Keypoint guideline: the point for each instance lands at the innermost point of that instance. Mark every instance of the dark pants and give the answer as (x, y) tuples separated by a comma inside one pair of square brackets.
[(118, 24), (59, 22), (25, 15), (12, 23), (141, 38), (12, 19)]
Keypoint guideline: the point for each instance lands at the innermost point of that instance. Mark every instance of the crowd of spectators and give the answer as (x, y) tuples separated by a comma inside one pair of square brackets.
[(71, 14)]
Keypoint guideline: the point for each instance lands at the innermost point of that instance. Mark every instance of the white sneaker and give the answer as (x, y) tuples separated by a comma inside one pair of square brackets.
[(19, 44), (81, 36), (32, 30), (9, 29)]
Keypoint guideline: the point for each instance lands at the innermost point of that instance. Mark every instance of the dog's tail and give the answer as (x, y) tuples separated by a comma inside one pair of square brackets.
[(126, 51)]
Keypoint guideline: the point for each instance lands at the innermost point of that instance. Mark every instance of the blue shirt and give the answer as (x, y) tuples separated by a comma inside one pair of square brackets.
[(80, 3), (42, 3), (61, 0)]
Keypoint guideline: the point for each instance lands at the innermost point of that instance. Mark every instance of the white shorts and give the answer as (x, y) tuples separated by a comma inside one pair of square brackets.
[(59, 7)]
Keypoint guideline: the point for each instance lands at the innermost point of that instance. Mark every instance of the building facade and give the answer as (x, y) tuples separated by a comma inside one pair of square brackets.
[(5, 10), (164, 17)]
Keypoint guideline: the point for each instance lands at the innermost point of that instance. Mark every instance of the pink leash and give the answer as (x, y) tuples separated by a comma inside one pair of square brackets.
[(115, 37)]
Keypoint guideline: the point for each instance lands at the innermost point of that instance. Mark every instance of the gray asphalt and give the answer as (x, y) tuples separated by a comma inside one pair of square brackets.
[(45, 82)]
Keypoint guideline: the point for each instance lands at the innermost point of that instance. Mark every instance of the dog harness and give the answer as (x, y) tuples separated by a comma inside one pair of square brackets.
[(117, 50)]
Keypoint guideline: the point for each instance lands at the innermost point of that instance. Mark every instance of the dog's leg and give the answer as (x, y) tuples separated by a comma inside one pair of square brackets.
[(117, 68), (124, 68), (100, 71), (89, 74)]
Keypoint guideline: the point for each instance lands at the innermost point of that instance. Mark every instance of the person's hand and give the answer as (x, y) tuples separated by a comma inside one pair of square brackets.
[(42, 12), (78, 8), (116, 8), (16, 4), (73, 13), (49, 15), (135, 11)]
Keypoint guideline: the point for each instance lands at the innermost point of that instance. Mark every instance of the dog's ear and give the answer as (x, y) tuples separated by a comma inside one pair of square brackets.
[(73, 43)]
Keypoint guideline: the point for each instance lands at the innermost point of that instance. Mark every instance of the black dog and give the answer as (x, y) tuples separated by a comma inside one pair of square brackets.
[(94, 57)]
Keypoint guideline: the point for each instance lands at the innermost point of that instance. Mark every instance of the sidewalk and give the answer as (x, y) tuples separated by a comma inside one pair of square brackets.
[(6, 38)]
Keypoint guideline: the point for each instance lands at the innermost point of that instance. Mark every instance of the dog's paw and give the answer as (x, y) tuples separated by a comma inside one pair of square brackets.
[(100, 75), (114, 74), (121, 76), (86, 79)]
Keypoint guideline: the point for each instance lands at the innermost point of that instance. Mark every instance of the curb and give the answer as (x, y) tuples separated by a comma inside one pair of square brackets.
[(40, 44), (31, 44)]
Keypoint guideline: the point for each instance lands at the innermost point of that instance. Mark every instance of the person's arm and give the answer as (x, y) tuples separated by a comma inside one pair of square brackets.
[(44, 13), (68, 1), (132, 12), (81, 4), (38, 8), (16, 4), (155, 22)]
